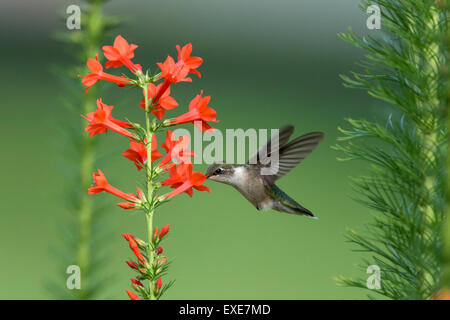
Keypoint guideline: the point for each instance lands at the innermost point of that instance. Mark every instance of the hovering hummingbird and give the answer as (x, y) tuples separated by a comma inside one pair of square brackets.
[(259, 188)]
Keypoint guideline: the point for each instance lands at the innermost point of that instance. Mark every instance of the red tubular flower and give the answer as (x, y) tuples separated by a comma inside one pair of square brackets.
[(164, 231), (121, 54), (138, 152), (177, 72), (183, 179), (159, 250), (97, 74), (158, 284), (199, 114), (184, 56), (161, 99), (174, 72), (101, 121), (176, 149), (132, 295), (134, 247), (102, 185)]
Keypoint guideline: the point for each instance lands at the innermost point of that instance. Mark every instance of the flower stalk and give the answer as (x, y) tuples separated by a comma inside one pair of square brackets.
[(87, 153), (149, 214), (83, 44), (151, 265)]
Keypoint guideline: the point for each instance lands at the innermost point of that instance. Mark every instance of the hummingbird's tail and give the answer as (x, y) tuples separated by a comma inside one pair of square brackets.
[(298, 209), (289, 205)]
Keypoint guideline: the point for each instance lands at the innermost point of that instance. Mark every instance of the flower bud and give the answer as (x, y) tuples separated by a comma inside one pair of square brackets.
[(136, 282), (134, 247), (155, 234), (159, 263), (158, 285), (164, 231), (162, 260), (127, 236), (159, 250), (141, 243), (132, 295), (127, 205), (131, 264)]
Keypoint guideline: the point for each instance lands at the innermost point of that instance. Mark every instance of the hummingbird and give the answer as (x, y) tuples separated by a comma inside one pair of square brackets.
[(259, 187)]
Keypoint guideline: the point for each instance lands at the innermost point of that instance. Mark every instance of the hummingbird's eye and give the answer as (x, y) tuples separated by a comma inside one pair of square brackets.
[(218, 171)]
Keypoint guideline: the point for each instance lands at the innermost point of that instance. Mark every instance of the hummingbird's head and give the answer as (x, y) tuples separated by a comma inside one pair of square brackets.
[(221, 172)]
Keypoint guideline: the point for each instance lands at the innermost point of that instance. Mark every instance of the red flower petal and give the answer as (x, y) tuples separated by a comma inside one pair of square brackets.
[(121, 54), (198, 112), (101, 121)]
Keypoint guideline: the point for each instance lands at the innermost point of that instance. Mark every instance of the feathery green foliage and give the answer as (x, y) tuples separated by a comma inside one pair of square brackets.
[(446, 230), (405, 186), (85, 231)]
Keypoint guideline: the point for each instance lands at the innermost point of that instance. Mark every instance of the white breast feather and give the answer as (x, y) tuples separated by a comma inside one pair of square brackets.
[(239, 176)]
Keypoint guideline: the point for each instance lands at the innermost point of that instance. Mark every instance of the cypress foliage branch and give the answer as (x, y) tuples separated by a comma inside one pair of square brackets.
[(405, 185), (81, 235)]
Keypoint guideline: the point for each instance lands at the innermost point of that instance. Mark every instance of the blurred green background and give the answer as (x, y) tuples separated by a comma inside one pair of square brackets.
[(266, 64)]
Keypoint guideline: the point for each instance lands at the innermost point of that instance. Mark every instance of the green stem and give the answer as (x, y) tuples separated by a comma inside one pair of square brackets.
[(92, 36), (149, 214), (430, 137), (446, 227), (86, 209)]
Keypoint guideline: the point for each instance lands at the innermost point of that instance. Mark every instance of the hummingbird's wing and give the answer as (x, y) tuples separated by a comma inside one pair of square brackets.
[(292, 153), (276, 141)]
